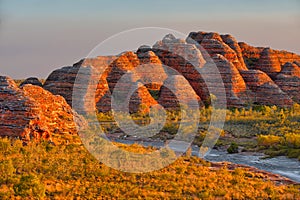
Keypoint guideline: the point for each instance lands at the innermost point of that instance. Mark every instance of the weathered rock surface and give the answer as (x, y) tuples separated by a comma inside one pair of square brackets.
[(250, 54), (250, 74), (175, 91), (235, 87), (186, 59), (151, 69), (120, 66), (61, 81), (30, 112), (141, 100), (266, 59), (269, 62), (16, 110), (233, 44), (90, 85), (32, 81), (225, 45), (289, 80), (265, 91), (290, 69), (130, 93)]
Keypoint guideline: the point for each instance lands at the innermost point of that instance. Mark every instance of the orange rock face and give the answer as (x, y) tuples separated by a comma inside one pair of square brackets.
[(173, 93), (250, 74), (234, 84), (33, 113), (269, 62), (151, 69), (250, 54), (185, 59), (265, 91), (225, 45), (289, 80), (291, 69)]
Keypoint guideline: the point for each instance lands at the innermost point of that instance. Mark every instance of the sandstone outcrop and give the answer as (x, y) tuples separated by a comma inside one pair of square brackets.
[(141, 100), (235, 87), (32, 81), (289, 80), (265, 91), (250, 54), (130, 93), (169, 71), (266, 59), (30, 112), (290, 69), (186, 59), (250, 74), (269, 62), (120, 66), (61, 82), (90, 85), (174, 93), (233, 44), (17, 110), (225, 45), (94, 80), (151, 69)]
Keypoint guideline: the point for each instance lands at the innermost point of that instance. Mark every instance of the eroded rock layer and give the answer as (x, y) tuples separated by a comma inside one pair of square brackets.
[(32, 81), (265, 91), (250, 74), (30, 112), (235, 86), (173, 94)]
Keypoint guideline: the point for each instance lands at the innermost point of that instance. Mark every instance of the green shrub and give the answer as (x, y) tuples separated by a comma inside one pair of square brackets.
[(29, 186), (293, 140), (7, 171), (5, 145), (294, 153), (233, 148), (269, 140)]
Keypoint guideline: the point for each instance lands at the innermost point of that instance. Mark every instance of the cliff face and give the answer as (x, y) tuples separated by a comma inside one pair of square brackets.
[(250, 74), (30, 112)]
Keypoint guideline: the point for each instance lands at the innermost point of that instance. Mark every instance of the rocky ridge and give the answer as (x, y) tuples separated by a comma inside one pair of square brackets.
[(251, 75), (32, 113)]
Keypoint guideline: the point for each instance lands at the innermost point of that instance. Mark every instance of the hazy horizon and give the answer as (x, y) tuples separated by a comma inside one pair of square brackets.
[(37, 36)]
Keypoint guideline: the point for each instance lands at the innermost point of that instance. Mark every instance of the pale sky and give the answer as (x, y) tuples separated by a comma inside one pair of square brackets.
[(38, 36)]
